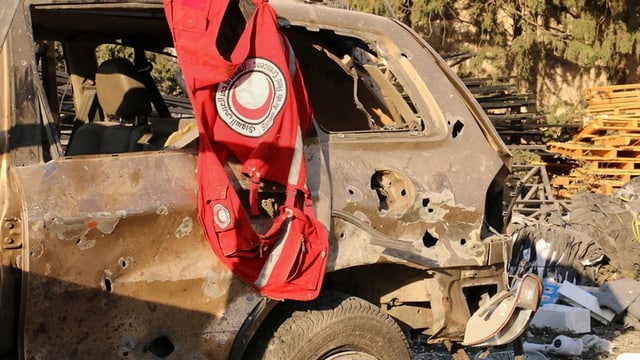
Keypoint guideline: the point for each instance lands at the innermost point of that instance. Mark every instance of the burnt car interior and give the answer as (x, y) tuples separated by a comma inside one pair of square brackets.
[(117, 105)]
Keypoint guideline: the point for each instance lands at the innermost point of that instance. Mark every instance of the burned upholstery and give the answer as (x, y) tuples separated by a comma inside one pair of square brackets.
[(126, 105)]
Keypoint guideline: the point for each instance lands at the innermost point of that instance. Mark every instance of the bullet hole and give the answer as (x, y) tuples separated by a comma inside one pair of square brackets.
[(78, 241), (457, 128), (125, 353), (394, 189), (125, 262), (425, 204), (353, 194), (463, 241), (160, 347), (107, 284), (341, 235), (429, 240)]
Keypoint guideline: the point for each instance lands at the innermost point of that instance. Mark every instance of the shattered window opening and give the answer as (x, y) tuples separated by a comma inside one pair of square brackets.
[(350, 85)]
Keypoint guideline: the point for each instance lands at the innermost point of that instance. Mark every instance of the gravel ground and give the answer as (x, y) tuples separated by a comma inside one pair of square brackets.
[(622, 341)]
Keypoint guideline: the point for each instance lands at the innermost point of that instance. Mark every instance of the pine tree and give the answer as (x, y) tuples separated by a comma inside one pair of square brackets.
[(529, 38)]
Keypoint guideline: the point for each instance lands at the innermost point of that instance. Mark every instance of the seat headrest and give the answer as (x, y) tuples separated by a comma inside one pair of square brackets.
[(120, 92)]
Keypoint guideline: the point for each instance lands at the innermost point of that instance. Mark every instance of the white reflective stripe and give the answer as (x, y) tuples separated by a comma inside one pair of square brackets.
[(296, 160), (272, 260)]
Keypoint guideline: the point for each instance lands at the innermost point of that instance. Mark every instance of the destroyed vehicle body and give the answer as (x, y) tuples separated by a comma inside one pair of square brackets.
[(102, 252)]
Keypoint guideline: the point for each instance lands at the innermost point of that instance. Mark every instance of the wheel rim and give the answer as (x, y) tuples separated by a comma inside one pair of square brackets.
[(350, 355)]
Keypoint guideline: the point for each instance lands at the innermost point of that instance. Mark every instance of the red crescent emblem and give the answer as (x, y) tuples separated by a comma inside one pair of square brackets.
[(255, 114)]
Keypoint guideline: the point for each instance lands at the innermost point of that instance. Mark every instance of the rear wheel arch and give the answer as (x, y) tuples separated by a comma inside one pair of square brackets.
[(334, 326)]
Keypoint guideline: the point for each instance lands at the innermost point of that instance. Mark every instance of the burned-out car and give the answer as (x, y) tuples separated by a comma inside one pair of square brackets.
[(103, 255)]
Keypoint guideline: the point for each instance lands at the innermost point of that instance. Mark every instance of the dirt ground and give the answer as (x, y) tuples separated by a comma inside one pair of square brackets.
[(622, 341)]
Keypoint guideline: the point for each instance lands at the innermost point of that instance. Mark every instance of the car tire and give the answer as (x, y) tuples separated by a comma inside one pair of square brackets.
[(333, 327)]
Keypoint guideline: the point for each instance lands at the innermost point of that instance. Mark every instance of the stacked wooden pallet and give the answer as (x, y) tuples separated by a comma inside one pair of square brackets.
[(613, 100), (606, 152)]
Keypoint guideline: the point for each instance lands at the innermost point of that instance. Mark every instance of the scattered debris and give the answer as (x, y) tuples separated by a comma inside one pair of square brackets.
[(561, 345), (596, 344), (587, 255), (563, 318), (552, 251), (618, 295), (509, 355), (573, 295), (534, 197)]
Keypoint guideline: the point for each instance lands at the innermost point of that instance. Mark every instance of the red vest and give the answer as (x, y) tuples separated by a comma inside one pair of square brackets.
[(255, 107)]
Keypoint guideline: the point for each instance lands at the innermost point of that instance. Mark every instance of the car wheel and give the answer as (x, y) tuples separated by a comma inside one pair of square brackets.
[(333, 327)]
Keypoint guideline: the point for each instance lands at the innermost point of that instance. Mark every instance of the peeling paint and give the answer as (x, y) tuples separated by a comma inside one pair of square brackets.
[(107, 226), (162, 209), (85, 244), (78, 227), (36, 251), (47, 269), (185, 228), (66, 231), (216, 284)]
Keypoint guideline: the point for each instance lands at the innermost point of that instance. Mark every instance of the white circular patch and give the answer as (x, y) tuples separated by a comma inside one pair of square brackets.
[(252, 97), (221, 216)]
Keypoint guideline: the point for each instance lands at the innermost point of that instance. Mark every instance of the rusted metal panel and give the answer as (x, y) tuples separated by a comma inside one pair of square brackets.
[(444, 217), (25, 139), (437, 217), (117, 259), (7, 11)]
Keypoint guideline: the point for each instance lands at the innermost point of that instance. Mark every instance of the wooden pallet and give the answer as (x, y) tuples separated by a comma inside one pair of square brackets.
[(581, 151), (616, 140), (566, 186), (617, 99), (607, 148), (612, 94)]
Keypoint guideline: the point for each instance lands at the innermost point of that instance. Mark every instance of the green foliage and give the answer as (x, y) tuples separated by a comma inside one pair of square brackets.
[(59, 57), (561, 113), (583, 29), (164, 66), (369, 6), (581, 53), (584, 33)]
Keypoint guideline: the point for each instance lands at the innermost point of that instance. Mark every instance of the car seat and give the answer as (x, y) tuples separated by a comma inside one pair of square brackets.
[(126, 104)]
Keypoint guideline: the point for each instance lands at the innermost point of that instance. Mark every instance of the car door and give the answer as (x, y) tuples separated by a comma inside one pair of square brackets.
[(115, 264)]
